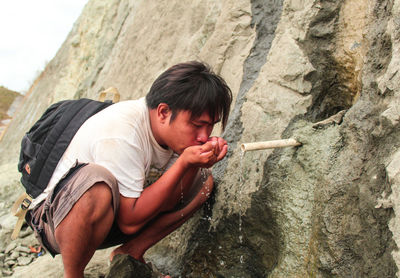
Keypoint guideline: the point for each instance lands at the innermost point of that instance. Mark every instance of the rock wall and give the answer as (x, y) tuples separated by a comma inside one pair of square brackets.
[(323, 72)]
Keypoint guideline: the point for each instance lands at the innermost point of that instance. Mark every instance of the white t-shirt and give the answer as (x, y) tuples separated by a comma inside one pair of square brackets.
[(120, 139)]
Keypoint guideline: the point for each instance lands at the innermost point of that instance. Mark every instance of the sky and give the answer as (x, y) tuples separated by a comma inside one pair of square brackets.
[(31, 32)]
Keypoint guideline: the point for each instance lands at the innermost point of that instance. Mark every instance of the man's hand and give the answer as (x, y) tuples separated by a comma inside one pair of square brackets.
[(206, 155), (221, 147)]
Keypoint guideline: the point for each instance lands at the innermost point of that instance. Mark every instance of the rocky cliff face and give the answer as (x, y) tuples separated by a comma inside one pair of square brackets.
[(326, 209)]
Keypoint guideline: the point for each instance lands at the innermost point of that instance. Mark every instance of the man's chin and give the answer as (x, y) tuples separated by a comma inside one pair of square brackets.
[(178, 151)]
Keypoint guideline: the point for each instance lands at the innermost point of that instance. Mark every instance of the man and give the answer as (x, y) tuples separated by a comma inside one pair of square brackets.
[(101, 193)]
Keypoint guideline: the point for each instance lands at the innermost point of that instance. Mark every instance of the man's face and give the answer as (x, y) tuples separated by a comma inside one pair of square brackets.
[(184, 131)]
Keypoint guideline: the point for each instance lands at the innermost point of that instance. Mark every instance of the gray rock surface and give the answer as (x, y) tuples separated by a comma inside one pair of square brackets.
[(124, 266), (328, 208)]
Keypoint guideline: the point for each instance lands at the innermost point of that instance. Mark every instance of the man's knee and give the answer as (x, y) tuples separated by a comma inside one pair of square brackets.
[(93, 207), (99, 191), (85, 227), (95, 201)]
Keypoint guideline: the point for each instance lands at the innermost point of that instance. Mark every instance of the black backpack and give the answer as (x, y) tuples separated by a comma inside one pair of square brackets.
[(45, 143)]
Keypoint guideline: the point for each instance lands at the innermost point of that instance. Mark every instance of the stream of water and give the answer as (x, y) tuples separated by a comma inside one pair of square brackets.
[(241, 184)]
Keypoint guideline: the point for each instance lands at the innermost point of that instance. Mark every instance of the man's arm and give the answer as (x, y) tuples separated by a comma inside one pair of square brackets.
[(164, 194)]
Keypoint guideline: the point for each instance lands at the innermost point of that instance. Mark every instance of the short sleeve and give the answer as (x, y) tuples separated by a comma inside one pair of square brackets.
[(125, 160)]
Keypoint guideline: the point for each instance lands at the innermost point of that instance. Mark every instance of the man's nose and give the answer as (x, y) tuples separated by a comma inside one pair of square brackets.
[(202, 136)]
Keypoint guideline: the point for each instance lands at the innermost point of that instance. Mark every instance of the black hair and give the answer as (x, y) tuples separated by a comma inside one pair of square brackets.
[(192, 86)]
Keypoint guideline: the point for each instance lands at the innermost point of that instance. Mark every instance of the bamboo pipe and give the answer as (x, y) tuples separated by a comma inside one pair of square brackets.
[(270, 144)]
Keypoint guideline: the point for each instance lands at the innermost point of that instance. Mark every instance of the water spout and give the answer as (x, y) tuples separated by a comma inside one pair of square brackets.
[(270, 144)]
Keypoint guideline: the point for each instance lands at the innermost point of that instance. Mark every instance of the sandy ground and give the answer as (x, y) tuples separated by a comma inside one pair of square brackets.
[(46, 266)]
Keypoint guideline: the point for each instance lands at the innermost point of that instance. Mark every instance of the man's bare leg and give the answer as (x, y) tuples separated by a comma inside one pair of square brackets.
[(163, 225), (84, 229)]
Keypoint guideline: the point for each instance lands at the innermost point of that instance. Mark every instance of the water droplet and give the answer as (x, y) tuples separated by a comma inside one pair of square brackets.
[(181, 192), (241, 185), (241, 259)]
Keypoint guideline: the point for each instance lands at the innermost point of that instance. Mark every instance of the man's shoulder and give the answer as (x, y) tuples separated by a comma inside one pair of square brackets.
[(127, 110), (131, 105), (120, 120)]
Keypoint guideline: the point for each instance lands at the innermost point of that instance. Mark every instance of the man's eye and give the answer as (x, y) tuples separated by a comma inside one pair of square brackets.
[(197, 125)]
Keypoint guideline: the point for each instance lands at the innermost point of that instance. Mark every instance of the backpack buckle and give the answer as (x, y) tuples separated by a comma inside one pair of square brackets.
[(19, 209), (25, 203)]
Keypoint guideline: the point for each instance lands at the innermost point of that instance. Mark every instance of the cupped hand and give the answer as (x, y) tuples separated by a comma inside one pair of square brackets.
[(221, 147), (206, 155)]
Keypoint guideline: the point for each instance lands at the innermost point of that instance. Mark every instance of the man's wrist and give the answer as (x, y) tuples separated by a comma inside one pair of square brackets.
[(182, 163)]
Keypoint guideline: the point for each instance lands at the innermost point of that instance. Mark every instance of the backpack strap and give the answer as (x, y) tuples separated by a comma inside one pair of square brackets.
[(19, 209)]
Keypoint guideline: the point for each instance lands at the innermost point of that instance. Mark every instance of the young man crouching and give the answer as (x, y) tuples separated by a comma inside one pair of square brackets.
[(135, 171)]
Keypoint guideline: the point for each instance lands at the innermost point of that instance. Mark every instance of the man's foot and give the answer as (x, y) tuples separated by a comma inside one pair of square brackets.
[(127, 264), (120, 250)]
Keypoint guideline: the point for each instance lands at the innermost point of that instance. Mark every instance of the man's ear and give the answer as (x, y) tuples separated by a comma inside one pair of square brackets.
[(163, 112)]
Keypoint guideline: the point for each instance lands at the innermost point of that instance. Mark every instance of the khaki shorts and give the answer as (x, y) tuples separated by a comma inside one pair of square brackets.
[(46, 216)]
